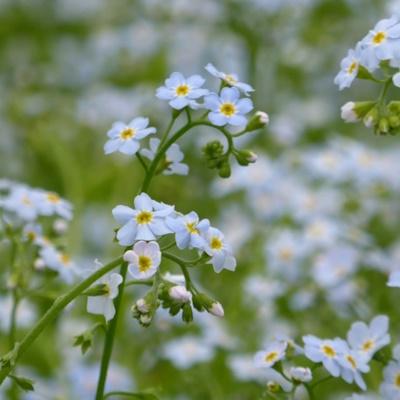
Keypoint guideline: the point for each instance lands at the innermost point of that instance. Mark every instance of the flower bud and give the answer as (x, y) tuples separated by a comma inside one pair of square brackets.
[(257, 121), (60, 226), (371, 118), (39, 264), (187, 313), (245, 157), (394, 121), (383, 126), (216, 309), (225, 170), (145, 319), (129, 256), (97, 290), (273, 386), (180, 294), (142, 306), (300, 374), (353, 112)]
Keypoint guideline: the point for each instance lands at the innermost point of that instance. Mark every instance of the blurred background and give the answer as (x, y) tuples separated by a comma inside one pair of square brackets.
[(323, 195)]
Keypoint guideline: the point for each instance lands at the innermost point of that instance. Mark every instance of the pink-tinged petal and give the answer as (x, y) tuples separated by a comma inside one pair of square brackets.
[(143, 202), (217, 119), (140, 247), (123, 214)]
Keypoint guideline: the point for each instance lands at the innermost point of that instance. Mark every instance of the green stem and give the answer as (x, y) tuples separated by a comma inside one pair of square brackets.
[(142, 162), (168, 130), (13, 319), (110, 335), (59, 304), (310, 392), (322, 380), (136, 282), (182, 265), (127, 394)]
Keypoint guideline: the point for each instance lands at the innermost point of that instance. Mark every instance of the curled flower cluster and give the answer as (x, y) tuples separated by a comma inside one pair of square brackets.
[(377, 58)]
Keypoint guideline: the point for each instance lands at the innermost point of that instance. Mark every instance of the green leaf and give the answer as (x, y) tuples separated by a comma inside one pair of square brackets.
[(24, 383)]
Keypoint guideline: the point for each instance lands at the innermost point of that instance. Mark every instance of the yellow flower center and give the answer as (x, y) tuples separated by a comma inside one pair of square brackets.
[(397, 380), (271, 357), (191, 227), (379, 37), (144, 217), (286, 254), (216, 243), (368, 345), (353, 66), (144, 263), (328, 351), (227, 109), (230, 79), (27, 201), (182, 90), (31, 235), (65, 259), (127, 133), (53, 198), (352, 361)]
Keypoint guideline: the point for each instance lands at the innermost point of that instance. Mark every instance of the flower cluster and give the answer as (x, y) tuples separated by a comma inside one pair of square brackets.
[(346, 359), (38, 218), (377, 58)]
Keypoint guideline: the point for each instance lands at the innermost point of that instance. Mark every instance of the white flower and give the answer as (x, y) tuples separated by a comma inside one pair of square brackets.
[(173, 158), (103, 305), (50, 203), (180, 294), (144, 260), (219, 251), (273, 353), (300, 374), (367, 340), (59, 262), (227, 108), (145, 222), (390, 387), (394, 279), (182, 92), (396, 79), (353, 364), (348, 114), (23, 202), (381, 43), (189, 230), (125, 138), (230, 79), (327, 352)]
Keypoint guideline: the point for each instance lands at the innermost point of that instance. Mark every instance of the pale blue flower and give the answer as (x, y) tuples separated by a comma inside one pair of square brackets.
[(349, 68), (173, 158), (219, 251), (125, 138), (60, 262), (228, 107), (181, 91), (230, 79), (145, 222), (189, 230)]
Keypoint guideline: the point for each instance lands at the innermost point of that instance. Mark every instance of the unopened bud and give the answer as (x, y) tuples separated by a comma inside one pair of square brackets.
[(60, 226), (225, 170), (142, 306), (353, 112), (300, 374), (145, 319), (129, 256), (216, 309), (273, 386), (180, 293), (39, 264), (383, 126), (245, 157), (257, 121)]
